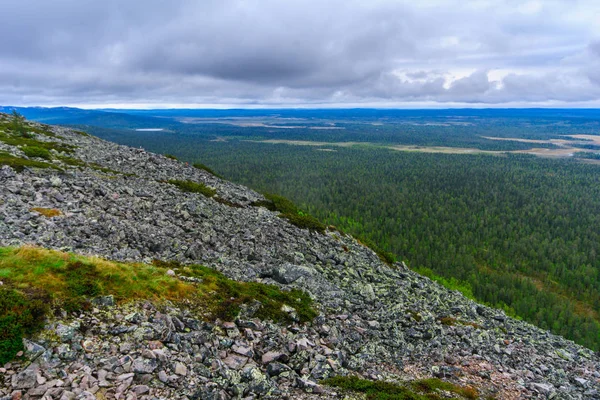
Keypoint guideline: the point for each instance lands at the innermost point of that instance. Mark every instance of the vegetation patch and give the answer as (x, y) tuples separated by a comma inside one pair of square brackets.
[(24, 141), (193, 187), (19, 163), (426, 389), (35, 151), (385, 256), (171, 156), (47, 212), (291, 212), (36, 280), (223, 297), (207, 169)]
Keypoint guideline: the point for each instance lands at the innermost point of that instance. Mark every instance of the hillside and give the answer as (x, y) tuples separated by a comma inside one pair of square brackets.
[(228, 310)]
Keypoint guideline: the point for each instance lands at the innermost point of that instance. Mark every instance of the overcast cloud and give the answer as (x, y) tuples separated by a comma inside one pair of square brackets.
[(300, 52)]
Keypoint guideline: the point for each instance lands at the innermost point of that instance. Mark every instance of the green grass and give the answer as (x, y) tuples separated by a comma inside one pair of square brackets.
[(207, 169), (171, 156), (425, 389), (227, 296), (291, 212), (385, 256), (193, 187), (19, 163), (35, 151), (450, 283), (15, 140), (69, 281)]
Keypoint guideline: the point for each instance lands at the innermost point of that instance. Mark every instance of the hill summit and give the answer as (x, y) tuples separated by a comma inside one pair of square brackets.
[(131, 275)]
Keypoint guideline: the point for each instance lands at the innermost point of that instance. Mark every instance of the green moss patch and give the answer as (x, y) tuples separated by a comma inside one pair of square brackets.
[(19, 163), (35, 151), (291, 212), (425, 389), (36, 280), (207, 169), (223, 297), (193, 187)]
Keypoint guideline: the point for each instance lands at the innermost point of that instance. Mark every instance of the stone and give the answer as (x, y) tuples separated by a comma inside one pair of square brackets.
[(235, 361), (271, 356), (25, 379), (180, 369)]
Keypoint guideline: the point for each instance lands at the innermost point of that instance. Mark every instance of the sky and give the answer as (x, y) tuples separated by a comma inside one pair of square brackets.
[(300, 53)]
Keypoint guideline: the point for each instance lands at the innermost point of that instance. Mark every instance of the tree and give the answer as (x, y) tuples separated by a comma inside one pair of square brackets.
[(18, 124)]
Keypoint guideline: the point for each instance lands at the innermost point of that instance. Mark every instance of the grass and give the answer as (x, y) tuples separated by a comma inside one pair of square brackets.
[(171, 156), (19, 164), (424, 389), (35, 151), (193, 187), (224, 297), (385, 256), (15, 140), (207, 169), (451, 321), (47, 212), (36, 280), (291, 212)]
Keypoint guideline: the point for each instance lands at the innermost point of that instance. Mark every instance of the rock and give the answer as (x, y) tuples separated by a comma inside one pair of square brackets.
[(25, 379), (144, 365), (271, 356), (235, 362), (180, 369), (289, 273), (104, 301)]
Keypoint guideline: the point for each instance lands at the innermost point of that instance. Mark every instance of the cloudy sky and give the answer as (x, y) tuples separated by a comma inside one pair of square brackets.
[(224, 53)]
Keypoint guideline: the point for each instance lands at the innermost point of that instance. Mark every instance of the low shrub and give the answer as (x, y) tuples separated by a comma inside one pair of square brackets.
[(291, 212), (35, 151), (193, 187), (207, 169)]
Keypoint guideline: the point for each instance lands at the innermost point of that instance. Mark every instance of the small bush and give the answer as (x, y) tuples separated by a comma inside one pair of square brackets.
[(385, 256), (20, 314), (193, 187), (207, 169), (35, 151), (291, 212)]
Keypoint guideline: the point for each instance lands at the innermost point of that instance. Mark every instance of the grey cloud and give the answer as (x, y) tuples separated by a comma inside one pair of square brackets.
[(268, 51)]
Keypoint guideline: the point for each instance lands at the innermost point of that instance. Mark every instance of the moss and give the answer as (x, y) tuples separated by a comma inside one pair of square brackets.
[(415, 315), (290, 211), (47, 212), (37, 279), (424, 389), (193, 187), (35, 151), (385, 256), (207, 169), (431, 385), (451, 321), (15, 140), (19, 163), (224, 297), (227, 202), (20, 314)]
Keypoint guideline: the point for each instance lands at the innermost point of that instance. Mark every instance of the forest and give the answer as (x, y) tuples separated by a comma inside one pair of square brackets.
[(514, 231)]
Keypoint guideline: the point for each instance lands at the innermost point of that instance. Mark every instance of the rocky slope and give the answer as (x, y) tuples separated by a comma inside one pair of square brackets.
[(377, 321)]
